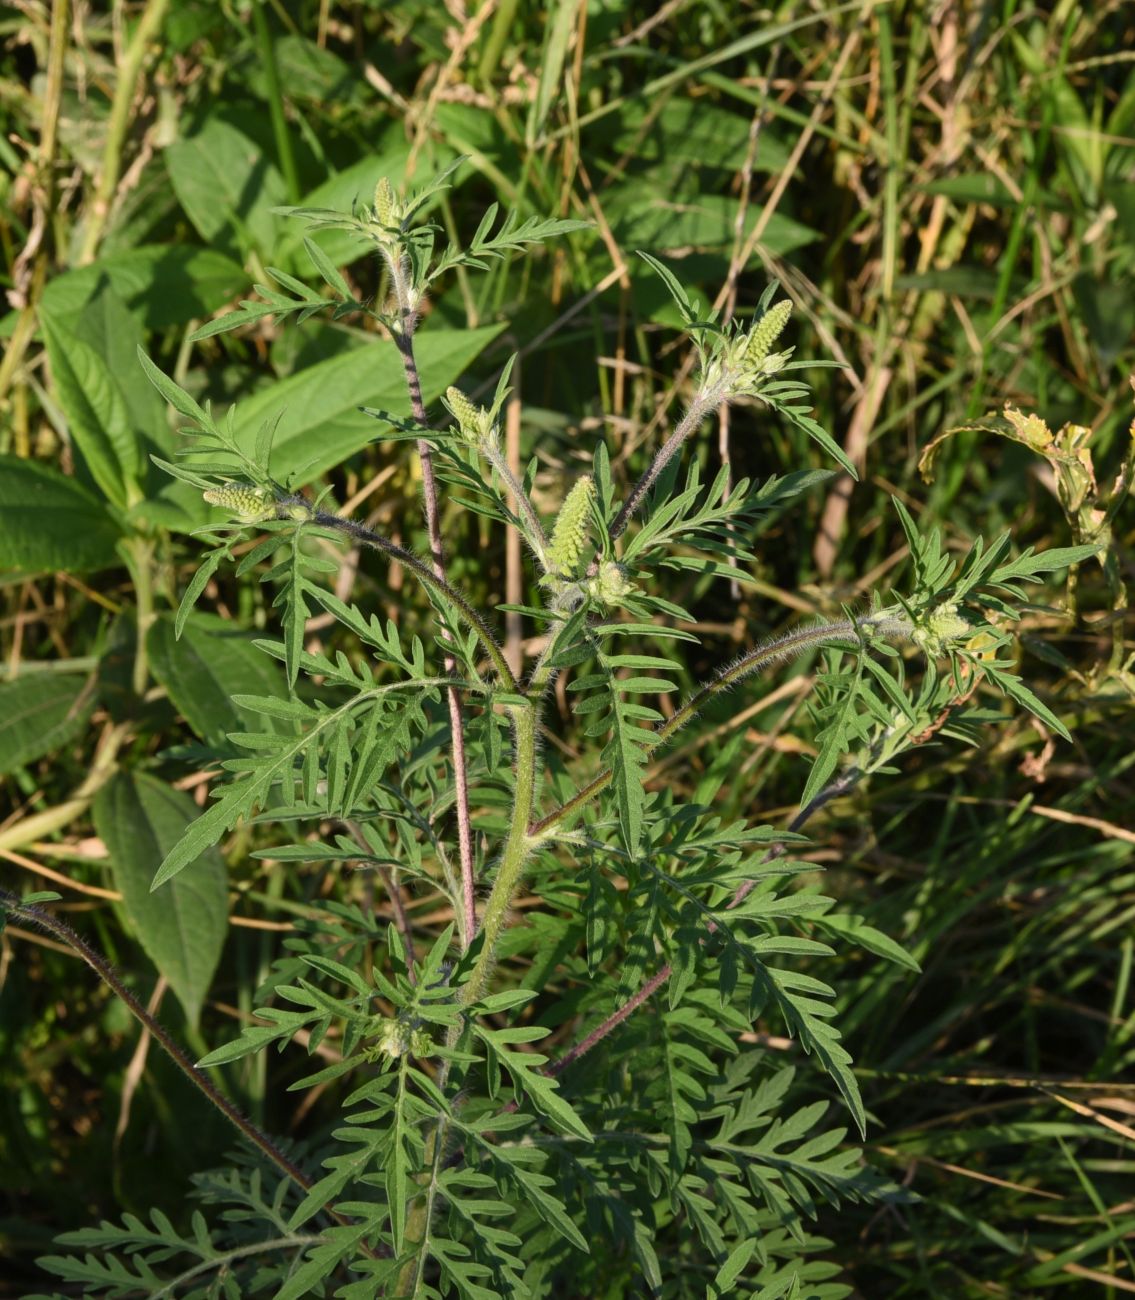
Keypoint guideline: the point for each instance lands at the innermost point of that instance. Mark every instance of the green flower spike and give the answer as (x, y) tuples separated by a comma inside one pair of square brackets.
[(764, 334), (570, 534), (475, 423), (387, 209), (247, 503)]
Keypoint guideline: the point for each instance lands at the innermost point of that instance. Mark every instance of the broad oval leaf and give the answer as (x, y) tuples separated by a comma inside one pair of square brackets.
[(97, 417), (202, 671), (161, 284), (182, 929), (227, 186), (40, 712), (48, 522), (320, 421)]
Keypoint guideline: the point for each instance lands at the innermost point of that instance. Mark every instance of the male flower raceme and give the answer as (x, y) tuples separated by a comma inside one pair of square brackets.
[(739, 364), (569, 537), (476, 425), (241, 500), (758, 357)]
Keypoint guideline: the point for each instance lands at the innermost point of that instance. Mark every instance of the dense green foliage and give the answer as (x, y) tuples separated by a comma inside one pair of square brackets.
[(612, 1042)]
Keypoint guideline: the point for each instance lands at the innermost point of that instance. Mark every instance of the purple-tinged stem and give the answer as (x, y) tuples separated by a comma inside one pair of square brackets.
[(612, 1022), (405, 341), (703, 403), (106, 972)]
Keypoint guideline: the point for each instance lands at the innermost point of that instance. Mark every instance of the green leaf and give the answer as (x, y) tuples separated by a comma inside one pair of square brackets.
[(211, 663), (183, 930), (107, 324), (1056, 557), (733, 1267), (97, 418), (41, 712), (641, 218), (867, 937), (559, 23), (227, 186), (174, 394), (273, 763), (1017, 690), (541, 1091), (162, 284), (321, 425), (49, 522), (197, 584), (673, 286)]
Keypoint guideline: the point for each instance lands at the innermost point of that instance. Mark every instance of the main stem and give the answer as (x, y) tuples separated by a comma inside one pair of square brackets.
[(405, 342), (517, 847)]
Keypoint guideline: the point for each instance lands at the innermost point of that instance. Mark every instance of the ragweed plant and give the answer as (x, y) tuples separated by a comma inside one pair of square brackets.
[(653, 1152)]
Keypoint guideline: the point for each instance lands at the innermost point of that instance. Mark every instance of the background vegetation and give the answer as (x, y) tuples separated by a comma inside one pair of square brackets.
[(946, 191)]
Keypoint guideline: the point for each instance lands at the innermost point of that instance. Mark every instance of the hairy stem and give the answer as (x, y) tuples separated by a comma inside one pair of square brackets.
[(839, 786), (613, 1021), (517, 847), (536, 536), (106, 972), (702, 404), (756, 660), (405, 343)]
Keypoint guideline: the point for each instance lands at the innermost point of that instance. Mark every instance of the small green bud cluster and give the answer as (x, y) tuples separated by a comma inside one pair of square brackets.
[(398, 1038), (610, 586), (939, 627), (569, 537), (241, 500), (476, 424)]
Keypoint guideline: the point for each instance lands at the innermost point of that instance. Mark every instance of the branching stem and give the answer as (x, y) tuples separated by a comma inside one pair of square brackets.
[(367, 537), (537, 537), (702, 404), (106, 972), (771, 652)]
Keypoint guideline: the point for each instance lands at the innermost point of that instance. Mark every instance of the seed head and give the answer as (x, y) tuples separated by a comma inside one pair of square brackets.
[(610, 586), (941, 626)]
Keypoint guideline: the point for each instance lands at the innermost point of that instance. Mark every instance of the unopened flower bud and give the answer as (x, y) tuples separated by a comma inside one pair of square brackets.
[(474, 422), (467, 415), (386, 209), (610, 586)]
